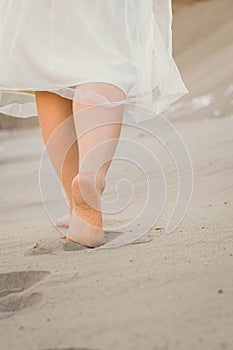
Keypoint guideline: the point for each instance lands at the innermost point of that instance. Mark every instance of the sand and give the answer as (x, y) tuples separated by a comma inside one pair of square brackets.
[(162, 291)]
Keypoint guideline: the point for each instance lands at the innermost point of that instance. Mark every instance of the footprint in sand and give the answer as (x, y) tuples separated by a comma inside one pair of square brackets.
[(13, 284), (13, 303), (41, 249)]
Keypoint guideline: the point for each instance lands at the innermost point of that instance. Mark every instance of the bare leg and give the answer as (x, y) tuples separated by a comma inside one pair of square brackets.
[(96, 150), (53, 110)]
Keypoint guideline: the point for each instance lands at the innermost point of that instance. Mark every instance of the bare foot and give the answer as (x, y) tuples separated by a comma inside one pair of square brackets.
[(86, 225), (64, 221)]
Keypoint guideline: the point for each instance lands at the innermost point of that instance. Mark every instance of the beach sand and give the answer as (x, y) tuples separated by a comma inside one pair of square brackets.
[(162, 291)]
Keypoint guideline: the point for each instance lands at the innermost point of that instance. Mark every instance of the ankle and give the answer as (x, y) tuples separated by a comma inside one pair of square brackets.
[(70, 204), (98, 180)]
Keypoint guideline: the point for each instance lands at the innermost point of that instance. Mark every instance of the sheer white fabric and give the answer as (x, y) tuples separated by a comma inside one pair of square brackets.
[(59, 45)]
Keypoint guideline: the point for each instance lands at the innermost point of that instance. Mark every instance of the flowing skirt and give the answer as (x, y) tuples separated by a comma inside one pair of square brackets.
[(59, 45)]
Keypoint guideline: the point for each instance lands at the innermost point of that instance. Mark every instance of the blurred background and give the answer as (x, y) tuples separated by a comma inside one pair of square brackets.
[(203, 51)]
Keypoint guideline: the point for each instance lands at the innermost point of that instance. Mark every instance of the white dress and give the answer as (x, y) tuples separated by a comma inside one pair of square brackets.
[(59, 45)]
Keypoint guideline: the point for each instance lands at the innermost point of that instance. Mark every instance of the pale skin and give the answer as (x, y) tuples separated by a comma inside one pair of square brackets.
[(83, 169)]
